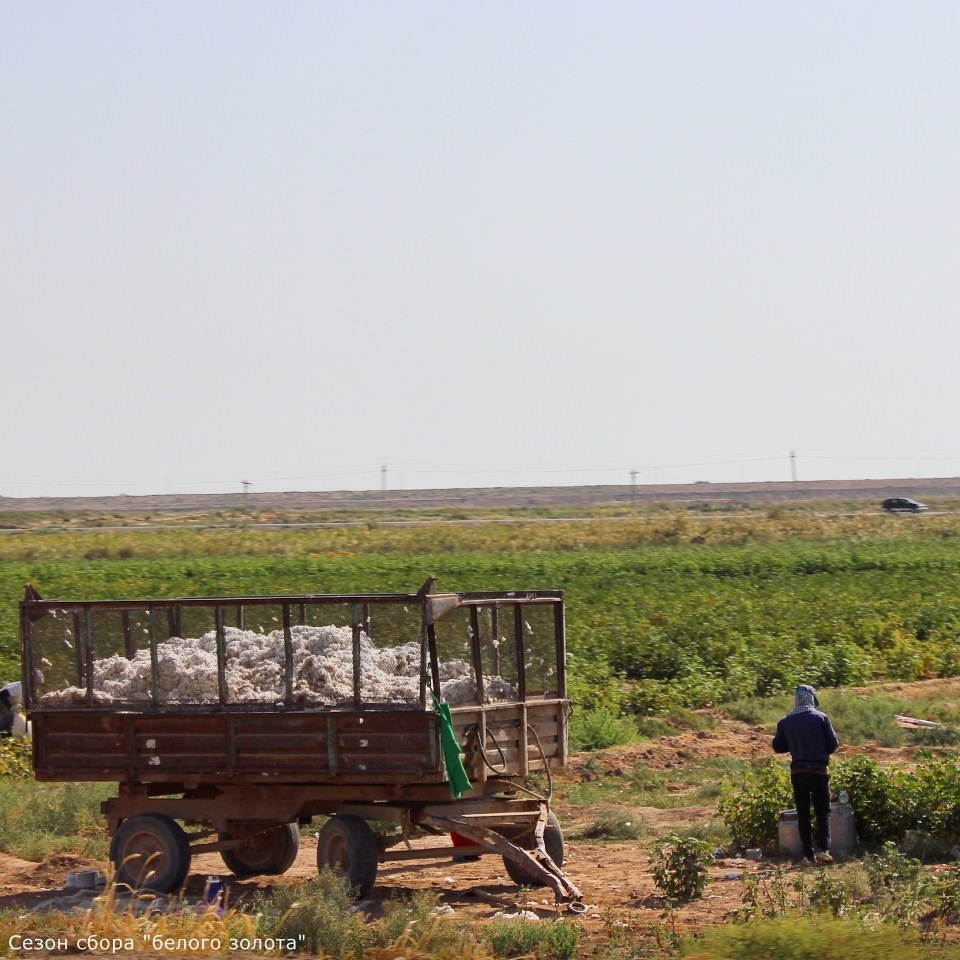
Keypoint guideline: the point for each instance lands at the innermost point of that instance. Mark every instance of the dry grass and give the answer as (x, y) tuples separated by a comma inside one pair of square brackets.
[(116, 918), (316, 916)]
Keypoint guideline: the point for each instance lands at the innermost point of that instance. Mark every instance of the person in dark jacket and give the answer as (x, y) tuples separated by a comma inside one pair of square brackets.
[(808, 736)]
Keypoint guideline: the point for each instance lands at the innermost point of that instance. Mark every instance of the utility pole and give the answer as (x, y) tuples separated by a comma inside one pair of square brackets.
[(793, 471), (383, 485), (633, 488)]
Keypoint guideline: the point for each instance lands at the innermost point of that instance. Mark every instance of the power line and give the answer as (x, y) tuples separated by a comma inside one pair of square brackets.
[(664, 470)]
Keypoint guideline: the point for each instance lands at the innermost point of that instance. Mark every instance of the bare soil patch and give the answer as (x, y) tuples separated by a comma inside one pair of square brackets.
[(612, 876)]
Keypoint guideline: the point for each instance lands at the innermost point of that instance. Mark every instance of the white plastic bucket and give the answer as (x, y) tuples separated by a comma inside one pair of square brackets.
[(20, 727), (843, 838)]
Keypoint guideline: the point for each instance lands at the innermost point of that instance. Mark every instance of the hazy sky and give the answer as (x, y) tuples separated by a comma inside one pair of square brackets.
[(483, 244)]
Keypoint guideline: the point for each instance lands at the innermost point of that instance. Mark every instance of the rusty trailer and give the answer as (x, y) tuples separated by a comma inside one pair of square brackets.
[(227, 722)]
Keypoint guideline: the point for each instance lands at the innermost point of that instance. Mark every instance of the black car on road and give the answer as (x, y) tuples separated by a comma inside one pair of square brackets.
[(903, 505)]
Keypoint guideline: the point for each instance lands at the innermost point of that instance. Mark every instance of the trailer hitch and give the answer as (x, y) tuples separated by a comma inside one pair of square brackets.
[(537, 861)]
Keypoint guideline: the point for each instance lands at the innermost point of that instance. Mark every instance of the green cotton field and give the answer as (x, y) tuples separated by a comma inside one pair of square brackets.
[(665, 610)]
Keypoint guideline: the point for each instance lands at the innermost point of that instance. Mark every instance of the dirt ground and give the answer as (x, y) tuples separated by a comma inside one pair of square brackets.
[(614, 878)]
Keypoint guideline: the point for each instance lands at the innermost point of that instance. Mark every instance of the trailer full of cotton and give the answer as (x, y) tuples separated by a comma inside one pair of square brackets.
[(228, 721)]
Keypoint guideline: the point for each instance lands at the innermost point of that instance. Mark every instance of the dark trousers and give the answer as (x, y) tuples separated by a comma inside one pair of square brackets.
[(812, 788)]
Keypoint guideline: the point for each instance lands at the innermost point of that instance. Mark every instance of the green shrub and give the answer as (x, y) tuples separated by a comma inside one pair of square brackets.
[(888, 869), (751, 805), (889, 803), (600, 728), (680, 866), (877, 804), (898, 886), (828, 892), (546, 939), (934, 792)]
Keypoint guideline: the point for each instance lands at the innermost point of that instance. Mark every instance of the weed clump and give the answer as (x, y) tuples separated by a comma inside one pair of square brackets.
[(600, 728), (322, 916), (548, 940), (615, 823)]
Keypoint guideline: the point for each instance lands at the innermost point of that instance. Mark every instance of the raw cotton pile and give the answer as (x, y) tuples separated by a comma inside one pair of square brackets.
[(322, 671)]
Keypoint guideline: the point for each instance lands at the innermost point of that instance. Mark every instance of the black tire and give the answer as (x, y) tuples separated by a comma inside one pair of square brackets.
[(150, 852), (553, 844), (348, 846), (267, 854)]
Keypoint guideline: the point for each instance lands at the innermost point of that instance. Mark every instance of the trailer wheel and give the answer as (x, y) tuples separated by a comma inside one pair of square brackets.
[(151, 852), (553, 844), (347, 846), (266, 854)]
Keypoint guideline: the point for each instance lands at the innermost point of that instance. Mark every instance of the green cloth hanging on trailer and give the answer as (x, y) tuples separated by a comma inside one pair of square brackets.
[(456, 773)]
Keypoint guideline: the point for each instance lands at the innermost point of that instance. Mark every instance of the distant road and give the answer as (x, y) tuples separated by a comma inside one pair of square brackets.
[(153, 527), (622, 495)]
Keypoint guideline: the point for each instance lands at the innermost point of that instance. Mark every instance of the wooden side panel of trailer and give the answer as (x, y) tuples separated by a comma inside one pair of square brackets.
[(517, 738), (335, 748), (401, 747)]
